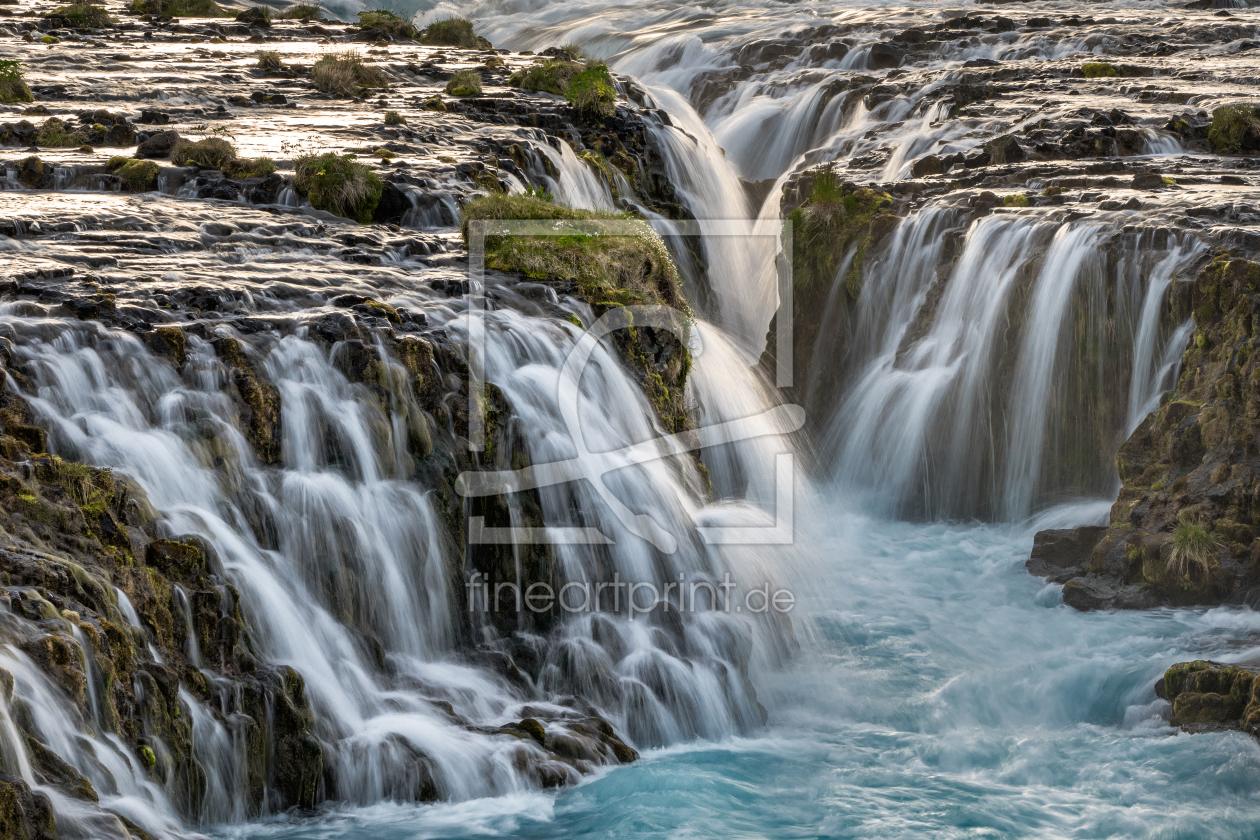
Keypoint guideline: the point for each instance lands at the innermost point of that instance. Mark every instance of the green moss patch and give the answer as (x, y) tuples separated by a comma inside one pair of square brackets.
[(1233, 126), (136, 175), (464, 83), (605, 268), (338, 185), (1097, 69)]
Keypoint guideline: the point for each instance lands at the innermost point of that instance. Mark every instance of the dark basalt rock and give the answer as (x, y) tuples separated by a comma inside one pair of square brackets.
[(884, 56), (254, 17), (158, 145)]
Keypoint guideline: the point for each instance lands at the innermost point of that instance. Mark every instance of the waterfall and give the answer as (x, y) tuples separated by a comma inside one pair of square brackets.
[(1009, 382), (338, 546)]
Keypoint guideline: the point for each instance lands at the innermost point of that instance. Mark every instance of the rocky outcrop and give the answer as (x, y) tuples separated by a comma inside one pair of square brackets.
[(1186, 526), (1208, 696), (833, 221)]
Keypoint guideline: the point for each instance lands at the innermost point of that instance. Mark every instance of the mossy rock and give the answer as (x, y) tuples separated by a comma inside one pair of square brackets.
[(170, 342), (175, 560), (1205, 693), (259, 401)]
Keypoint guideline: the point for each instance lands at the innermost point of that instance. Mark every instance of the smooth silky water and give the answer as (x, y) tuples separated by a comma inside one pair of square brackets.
[(933, 688), (941, 692)]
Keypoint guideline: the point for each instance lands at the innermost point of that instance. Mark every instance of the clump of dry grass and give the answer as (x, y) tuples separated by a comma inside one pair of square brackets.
[(1193, 548), (302, 11), (464, 83), (270, 60), (212, 153), (345, 74), (453, 32)]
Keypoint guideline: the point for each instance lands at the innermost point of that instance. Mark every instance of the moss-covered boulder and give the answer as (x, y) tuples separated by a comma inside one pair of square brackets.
[(1209, 695)]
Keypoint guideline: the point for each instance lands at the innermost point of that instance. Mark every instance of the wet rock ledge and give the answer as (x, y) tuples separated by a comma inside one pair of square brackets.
[(1211, 697), (1186, 527)]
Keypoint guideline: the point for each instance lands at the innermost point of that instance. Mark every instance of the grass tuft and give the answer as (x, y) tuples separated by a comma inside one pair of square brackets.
[(179, 8), (1231, 124), (345, 74), (1015, 200), (464, 83), (592, 93), (84, 16), (338, 185), (270, 60), (57, 133), (211, 153), (394, 118), (548, 76), (1193, 549), (302, 11), (249, 167), (387, 21), (453, 32), (13, 87)]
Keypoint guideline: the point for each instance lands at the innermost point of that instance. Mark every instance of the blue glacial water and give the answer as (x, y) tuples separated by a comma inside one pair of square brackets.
[(940, 691)]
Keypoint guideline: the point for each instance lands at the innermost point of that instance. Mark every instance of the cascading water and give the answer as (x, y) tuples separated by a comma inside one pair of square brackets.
[(999, 386), (981, 362)]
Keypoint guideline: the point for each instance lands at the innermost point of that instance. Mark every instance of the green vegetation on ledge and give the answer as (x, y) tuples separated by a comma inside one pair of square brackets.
[(13, 87), (1235, 128), (338, 185), (464, 83), (606, 269), (179, 8), (386, 21), (136, 175), (453, 32), (588, 87), (836, 217)]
